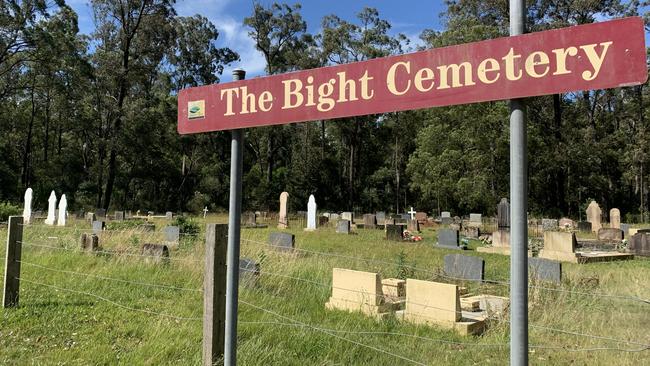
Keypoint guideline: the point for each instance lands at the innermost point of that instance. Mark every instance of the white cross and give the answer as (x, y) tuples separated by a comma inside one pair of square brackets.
[(412, 212), (205, 211)]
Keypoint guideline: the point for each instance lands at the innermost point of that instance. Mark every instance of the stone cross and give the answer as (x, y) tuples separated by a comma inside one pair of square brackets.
[(283, 220), (63, 207), (50, 209), (205, 211), (27, 210), (615, 218), (311, 213), (593, 216), (412, 212)]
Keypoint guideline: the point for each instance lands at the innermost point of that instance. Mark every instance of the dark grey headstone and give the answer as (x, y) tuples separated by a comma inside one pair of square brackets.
[(249, 218), (626, 230), (584, 226), (119, 215), (503, 213), (283, 242), (343, 227), (464, 267), (448, 238), (172, 234), (249, 270), (98, 227), (100, 212), (545, 269), (394, 232), (640, 244), (381, 217), (406, 216)]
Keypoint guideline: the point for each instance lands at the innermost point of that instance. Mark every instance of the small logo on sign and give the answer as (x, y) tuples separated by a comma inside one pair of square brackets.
[(196, 109)]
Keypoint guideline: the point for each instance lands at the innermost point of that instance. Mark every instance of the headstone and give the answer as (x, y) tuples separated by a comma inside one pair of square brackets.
[(549, 224), (101, 213), (147, 227), (98, 227), (50, 209), (311, 213), (640, 244), (27, 209), (369, 221), (357, 291), (155, 253), (250, 218), (421, 217), (395, 232), (169, 215), (413, 226), (584, 226), (63, 210), (501, 238), (593, 216), (119, 216), (432, 302), (626, 230), (615, 218), (566, 223), (405, 217), (343, 227), (411, 214), (91, 217), (89, 242), (348, 216), (282, 242), (283, 220), (389, 221), (172, 234), (334, 217), (471, 232), (464, 267), (205, 211), (545, 269), (503, 214), (610, 234), (249, 271), (445, 214), (381, 217), (448, 238), (475, 219), (323, 221)]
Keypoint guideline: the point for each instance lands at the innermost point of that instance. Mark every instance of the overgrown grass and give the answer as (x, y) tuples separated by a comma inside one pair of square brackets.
[(58, 327)]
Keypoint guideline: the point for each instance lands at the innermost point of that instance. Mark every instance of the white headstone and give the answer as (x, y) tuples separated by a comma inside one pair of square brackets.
[(412, 212), (205, 211), (311, 213), (27, 210), (63, 207), (283, 220), (50, 209)]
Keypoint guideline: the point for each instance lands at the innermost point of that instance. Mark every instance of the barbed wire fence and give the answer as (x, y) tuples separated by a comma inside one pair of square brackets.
[(290, 320)]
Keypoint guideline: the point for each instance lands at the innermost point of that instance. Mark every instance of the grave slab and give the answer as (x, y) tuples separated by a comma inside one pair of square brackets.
[(282, 242), (464, 267), (543, 269)]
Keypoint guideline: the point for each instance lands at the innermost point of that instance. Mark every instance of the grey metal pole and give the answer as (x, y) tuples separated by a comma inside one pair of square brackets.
[(234, 223), (519, 217)]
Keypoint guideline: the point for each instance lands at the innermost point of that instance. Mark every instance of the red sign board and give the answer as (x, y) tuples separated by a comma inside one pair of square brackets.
[(594, 56)]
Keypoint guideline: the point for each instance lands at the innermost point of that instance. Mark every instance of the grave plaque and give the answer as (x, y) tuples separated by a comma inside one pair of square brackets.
[(369, 221), (545, 269), (172, 234), (584, 226), (395, 232), (119, 215), (98, 227), (464, 267), (343, 227), (503, 214), (448, 238), (283, 242), (249, 271)]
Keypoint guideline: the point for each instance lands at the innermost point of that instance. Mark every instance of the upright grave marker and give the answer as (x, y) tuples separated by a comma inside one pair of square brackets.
[(283, 220), (311, 213), (27, 209), (63, 210), (51, 207)]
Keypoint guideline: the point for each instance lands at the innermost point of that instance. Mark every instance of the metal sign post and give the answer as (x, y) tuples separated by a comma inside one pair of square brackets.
[(234, 223), (519, 219)]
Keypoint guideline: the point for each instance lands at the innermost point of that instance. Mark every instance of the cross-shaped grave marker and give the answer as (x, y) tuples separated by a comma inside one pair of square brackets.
[(412, 212)]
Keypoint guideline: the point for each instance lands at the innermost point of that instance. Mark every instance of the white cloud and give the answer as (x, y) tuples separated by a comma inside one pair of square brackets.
[(233, 34)]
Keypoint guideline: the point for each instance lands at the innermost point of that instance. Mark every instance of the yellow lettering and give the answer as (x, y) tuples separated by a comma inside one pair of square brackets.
[(537, 59), (366, 92), (390, 78), (560, 59), (484, 68), (346, 86), (510, 65), (595, 59), (325, 90), (455, 75), (424, 74), (266, 101), (229, 99), (292, 88)]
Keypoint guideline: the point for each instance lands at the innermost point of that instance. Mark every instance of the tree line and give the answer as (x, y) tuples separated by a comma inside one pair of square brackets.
[(94, 116)]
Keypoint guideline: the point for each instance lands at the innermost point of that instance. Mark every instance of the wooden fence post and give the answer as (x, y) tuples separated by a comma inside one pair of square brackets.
[(214, 293), (12, 262)]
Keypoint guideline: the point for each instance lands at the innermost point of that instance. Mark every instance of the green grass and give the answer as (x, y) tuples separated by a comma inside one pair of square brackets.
[(57, 327)]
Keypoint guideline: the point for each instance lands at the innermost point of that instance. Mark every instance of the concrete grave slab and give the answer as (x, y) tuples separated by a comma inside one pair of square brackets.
[(542, 269), (464, 267), (282, 242), (357, 291)]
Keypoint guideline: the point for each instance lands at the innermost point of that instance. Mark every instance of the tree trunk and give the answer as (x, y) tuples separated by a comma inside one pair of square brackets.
[(26, 176)]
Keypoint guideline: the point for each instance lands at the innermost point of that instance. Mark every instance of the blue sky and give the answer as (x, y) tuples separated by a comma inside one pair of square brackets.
[(228, 16)]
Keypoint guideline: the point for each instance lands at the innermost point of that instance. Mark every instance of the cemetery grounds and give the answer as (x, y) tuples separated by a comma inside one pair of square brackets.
[(115, 308)]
